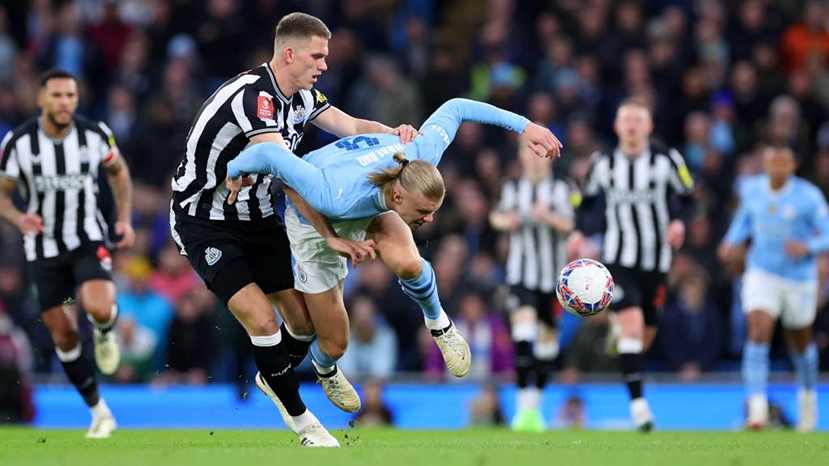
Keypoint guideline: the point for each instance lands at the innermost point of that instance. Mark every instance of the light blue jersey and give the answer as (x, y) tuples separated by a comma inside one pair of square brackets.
[(797, 212), (334, 179)]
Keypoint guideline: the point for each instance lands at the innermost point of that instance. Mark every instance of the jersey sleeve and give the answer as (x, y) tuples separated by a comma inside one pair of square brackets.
[(740, 228), (588, 203), (319, 105), (109, 149), (438, 131), (680, 178), (9, 166), (255, 112), (508, 198), (820, 221), (561, 201)]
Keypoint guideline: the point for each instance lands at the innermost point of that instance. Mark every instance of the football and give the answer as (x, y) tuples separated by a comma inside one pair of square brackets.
[(585, 287)]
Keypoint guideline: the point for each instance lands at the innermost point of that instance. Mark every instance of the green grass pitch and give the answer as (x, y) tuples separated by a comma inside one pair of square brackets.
[(388, 447)]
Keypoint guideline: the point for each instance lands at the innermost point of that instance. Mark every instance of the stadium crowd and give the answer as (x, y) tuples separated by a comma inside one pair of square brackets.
[(722, 77)]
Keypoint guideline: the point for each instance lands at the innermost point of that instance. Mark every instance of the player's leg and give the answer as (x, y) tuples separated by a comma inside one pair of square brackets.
[(297, 328), (396, 248), (762, 302), (798, 317), (524, 330), (55, 285), (97, 297)]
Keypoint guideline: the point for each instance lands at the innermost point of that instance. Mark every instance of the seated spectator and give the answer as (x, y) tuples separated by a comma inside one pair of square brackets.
[(572, 414), (375, 412), (16, 404), (139, 301), (485, 409), (190, 340), (138, 346), (372, 349), (174, 277)]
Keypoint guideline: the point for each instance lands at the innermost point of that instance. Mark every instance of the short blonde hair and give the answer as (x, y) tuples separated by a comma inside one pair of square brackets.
[(299, 25), (414, 176)]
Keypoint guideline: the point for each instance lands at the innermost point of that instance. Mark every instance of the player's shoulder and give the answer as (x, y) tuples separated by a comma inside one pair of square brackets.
[(807, 188), (751, 185), (21, 130), (98, 127)]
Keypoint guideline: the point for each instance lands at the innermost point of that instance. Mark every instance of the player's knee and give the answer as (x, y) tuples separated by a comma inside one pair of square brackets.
[(263, 326), (65, 339), (100, 311), (334, 347), (409, 268)]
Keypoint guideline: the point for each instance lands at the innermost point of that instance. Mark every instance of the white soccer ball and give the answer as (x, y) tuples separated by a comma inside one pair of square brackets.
[(585, 287)]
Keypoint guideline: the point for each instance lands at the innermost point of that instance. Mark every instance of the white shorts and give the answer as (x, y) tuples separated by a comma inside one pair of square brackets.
[(795, 302), (318, 268)]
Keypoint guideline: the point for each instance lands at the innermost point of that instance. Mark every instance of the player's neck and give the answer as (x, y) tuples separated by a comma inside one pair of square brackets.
[(777, 184), (283, 80), (52, 130), (632, 150)]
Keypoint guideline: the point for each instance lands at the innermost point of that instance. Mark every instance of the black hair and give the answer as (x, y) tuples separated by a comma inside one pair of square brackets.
[(55, 73)]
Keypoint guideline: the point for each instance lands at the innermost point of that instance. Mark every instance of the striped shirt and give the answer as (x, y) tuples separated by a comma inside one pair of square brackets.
[(536, 250), (59, 182), (637, 193), (247, 105)]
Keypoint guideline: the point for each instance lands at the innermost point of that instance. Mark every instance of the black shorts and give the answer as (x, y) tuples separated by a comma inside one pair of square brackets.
[(639, 288), (57, 278), (543, 303), (229, 255)]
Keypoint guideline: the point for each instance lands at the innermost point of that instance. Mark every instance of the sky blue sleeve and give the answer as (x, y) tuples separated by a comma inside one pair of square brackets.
[(740, 228), (820, 219), (271, 158), (439, 129)]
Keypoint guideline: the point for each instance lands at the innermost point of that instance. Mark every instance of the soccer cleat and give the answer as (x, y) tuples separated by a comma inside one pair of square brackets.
[(528, 420), (758, 412), (107, 353), (640, 412), (455, 350), (102, 426), (315, 435), (340, 391), (266, 389), (807, 407)]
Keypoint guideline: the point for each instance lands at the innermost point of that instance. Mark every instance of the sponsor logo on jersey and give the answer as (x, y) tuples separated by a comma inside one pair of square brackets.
[(59, 183), (321, 98), (212, 255), (299, 115)]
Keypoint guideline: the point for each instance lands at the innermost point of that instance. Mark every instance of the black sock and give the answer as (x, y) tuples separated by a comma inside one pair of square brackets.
[(275, 367), (107, 326), (82, 375), (543, 370), (524, 362), (297, 349), (632, 373)]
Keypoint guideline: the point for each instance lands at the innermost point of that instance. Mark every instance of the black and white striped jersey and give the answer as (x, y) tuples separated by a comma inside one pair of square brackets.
[(638, 193), (245, 106), (59, 182), (536, 250)]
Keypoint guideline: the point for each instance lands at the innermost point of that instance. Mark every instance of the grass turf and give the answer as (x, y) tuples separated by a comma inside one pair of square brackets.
[(382, 447)]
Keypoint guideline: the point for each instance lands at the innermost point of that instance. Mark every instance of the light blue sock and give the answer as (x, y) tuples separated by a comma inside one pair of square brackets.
[(756, 367), (322, 362), (806, 367), (424, 291)]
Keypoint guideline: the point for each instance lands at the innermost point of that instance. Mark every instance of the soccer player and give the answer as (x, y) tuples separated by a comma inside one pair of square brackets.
[(55, 159), (241, 250), (787, 221), (372, 185), (638, 181), (536, 212)]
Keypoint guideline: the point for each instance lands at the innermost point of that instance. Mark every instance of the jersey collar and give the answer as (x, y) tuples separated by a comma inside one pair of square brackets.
[(272, 75)]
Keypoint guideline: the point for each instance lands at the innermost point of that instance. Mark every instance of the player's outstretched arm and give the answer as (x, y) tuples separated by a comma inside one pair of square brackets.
[(341, 124), (439, 129)]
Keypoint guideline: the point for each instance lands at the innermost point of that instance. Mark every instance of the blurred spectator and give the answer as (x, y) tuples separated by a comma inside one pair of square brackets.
[(375, 412), (174, 277), (485, 409), (385, 95), (572, 414), (219, 33), (139, 301), (191, 340), (16, 401), (372, 348), (808, 38), (8, 49), (138, 346)]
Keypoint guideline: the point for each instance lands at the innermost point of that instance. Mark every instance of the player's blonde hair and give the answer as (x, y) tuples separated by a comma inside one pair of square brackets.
[(413, 175), (299, 26)]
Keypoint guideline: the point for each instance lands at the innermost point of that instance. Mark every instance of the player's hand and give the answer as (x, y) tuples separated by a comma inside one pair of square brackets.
[(407, 133), (357, 251), (234, 185), (796, 249), (540, 213), (575, 244), (126, 233), (541, 141), (676, 234), (30, 223)]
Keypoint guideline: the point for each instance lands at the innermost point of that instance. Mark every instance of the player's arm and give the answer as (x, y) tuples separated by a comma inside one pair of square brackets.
[(819, 218), (118, 177), (505, 217), (341, 124), (732, 247), (681, 201), (589, 217), (560, 217), (9, 171), (439, 129)]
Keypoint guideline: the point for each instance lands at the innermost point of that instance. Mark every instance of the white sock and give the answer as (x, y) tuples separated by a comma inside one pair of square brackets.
[(528, 398), (100, 409), (437, 324), (304, 420), (322, 370)]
